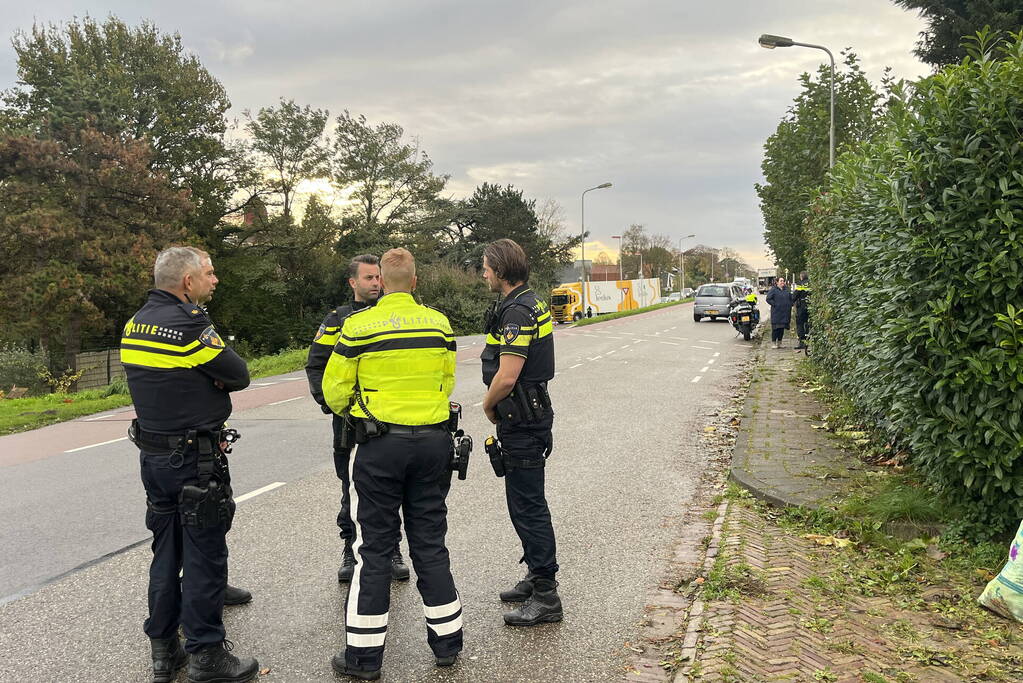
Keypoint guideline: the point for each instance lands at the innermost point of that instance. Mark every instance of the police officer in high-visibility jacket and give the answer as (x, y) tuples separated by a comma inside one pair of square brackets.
[(518, 361), (801, 302), (392, 373), (364, 279), (180, 374)]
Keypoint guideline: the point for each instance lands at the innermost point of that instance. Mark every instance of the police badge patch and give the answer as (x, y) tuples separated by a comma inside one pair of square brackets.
[(210, 338), (320, 332), (511, 333)]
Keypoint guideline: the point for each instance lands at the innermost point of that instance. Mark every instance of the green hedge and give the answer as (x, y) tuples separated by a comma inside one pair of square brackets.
[(917, 264)]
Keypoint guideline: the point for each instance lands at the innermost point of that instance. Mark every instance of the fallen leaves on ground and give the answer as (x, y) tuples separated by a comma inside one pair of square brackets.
[(821, 539)]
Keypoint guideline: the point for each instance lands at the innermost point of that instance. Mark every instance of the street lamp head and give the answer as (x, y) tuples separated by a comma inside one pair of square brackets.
[(616, 237), (688, 236), (603, 186), (771, 42)]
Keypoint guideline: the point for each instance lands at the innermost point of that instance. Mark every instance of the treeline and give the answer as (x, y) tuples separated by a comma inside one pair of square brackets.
[(116, 143)]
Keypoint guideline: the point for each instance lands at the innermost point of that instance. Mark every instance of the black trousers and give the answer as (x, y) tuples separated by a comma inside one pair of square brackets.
[(194, 600), (524, 491), (344, 515), (408, 472), (802, 323), (777, 333)]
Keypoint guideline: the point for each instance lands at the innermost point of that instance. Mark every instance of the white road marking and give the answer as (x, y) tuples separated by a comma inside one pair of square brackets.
[(93, 445), (697, 378), (263, 384), (705, 368), (98, 417), (637, 341), (575, 366), (611, 351), (711, 361), (291, 379), (253, 494), (625, 347), (706, 341), (681, 338), (705, 348), (462, 348), (596, 358), (717, 354), (669, 343), (477, 405), (287, 400)]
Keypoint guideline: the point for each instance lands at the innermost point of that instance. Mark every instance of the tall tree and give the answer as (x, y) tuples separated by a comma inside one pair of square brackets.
[(80, 223), (132, 83), (287, 141), (391, 182), (950, 21), (493, 212), (795, 164)]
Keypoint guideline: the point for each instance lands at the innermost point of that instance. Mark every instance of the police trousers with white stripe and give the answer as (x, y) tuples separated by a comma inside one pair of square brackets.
[(410, 472)]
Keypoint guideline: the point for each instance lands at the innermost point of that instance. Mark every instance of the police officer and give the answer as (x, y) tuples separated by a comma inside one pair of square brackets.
[(364, 279), (801, 301), (393, 371), (518, 361), (180, 374)]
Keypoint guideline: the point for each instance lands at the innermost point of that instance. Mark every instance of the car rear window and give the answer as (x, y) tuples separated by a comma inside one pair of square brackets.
[(711, 290)]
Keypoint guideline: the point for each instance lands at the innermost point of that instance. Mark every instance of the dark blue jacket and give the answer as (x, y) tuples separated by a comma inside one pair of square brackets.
[(781, 306)]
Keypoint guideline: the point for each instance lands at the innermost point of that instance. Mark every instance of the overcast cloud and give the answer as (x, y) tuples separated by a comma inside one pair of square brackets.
[(671, 100)]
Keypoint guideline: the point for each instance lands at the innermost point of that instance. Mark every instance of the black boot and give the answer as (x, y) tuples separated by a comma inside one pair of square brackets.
[(399, 570), (236, 596), (168, 657), (347, 569), (216, 664), (543, 605), (340, 667), (522, 590)]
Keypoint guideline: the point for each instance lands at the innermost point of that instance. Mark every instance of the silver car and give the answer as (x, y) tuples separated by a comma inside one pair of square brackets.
[(712, 300)]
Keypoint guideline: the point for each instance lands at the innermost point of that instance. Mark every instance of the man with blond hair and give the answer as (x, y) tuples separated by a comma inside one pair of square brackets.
[(391, 374)]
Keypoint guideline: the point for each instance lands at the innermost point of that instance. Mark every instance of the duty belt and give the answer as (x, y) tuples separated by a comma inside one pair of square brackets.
[(204, 442), (416, 429)]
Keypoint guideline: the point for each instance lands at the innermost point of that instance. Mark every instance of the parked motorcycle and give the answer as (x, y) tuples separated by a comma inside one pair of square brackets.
[(745, 316)]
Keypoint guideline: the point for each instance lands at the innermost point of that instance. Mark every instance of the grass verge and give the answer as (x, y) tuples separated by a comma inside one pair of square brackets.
[(23, 414), (625, 314)]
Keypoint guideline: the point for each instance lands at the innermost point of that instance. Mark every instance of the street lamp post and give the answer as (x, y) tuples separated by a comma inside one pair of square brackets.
[(682, 262), (582, 236), (770, 42), (619, 238)]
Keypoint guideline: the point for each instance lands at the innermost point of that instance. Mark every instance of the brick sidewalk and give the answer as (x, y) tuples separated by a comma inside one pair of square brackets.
[(785, 625)]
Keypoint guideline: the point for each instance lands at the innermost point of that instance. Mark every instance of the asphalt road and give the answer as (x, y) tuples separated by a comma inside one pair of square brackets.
[(629, 398)]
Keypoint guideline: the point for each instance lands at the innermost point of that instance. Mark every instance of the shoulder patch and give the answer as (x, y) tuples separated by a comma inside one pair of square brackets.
[(210, 338), (319, 332), (510, 333)]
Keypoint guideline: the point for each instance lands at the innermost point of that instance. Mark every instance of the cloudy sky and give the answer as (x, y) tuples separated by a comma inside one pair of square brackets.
[(670, 100)]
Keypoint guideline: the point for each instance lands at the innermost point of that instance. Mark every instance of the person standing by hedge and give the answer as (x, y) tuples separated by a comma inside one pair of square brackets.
[(801, 301), (780, 300)]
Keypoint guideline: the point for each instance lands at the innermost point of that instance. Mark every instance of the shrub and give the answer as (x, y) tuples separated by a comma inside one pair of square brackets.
[(19, 366), (462, 296), (917, 259)]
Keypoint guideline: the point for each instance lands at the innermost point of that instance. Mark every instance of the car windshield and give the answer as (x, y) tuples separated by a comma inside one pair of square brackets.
[(712, 290), (559, 299)]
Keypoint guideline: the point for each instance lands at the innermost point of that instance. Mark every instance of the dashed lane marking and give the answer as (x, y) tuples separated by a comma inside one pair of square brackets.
[(711, 361), (252, 494), (611, 351), (625, 347), (717, 354), (291, 379), (705, 348), (262, 384), (575, 366), (705, 368), (98, 417), (477, 404), (287, 400), (707, 341), (596, 357), (697, 378), (94, 445), (669, 343)]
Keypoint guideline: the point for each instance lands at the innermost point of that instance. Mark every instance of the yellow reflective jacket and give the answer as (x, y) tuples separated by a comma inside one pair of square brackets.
[(399, 357)]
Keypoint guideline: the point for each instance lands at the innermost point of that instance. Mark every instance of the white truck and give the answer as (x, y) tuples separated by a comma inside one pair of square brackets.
[(766, 278), (567, 304)]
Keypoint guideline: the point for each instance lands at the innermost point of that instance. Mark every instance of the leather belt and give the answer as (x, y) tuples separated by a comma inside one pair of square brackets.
[(416, 429)]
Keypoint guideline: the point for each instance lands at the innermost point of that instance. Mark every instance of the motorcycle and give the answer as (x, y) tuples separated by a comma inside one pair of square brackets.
[(744, 316)]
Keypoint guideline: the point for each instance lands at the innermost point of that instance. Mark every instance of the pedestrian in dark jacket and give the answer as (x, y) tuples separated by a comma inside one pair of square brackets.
[(780, 299)]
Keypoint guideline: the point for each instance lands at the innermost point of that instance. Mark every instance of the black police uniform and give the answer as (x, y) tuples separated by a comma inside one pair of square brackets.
[(172, 356), (521, 325), (396, 363), (801, 301)]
